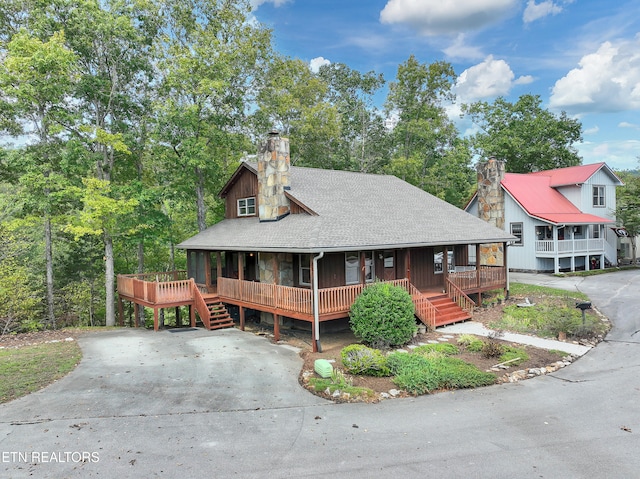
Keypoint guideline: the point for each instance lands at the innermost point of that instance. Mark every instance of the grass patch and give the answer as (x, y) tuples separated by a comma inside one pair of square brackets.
[(30, 368), (418, 374), (514, 356), (339, 382), (521, 289)]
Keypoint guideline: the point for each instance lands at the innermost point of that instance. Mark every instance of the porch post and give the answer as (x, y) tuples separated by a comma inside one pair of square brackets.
[(445, 266), (478, 270), (192, 316), (207, 269), (505, 247), (276, 327), (556, 259), (407, 264), (155, 319), (219, 264), (241, 310), (178, 318)]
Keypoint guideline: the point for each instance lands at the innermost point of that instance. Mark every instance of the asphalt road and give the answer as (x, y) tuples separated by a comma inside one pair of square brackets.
[(200, 404)]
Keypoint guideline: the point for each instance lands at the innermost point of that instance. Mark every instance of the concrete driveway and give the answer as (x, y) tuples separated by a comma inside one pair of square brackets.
[(139, 405)]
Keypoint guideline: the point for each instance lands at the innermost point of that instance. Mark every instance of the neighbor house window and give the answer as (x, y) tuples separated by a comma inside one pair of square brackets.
[(247, 206), (304, 270), (598, 196), (595, 231), (516, 230)]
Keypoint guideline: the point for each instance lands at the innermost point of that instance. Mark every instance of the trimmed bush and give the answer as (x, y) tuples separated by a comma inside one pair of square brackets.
[(383, 316), (360, 359), (471, 343), (445, 348)]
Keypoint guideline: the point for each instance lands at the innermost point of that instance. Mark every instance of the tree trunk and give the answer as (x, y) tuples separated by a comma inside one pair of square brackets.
[(48, 252), (110, 316), (202, 211)]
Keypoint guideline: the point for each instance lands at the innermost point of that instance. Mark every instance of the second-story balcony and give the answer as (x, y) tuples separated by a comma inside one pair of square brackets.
[(552, 248)]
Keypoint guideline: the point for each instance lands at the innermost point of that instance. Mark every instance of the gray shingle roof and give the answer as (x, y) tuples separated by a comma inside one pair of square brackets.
[(356, 211)]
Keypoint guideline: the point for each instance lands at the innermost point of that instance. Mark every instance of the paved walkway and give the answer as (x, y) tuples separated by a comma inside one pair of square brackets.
[(472, 327)]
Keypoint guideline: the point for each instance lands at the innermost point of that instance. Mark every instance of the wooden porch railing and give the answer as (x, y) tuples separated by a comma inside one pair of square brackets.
[(458, 296), (200, 305), (486, 278), (340, 298), (155, 292), (274, 296), (425, 310)]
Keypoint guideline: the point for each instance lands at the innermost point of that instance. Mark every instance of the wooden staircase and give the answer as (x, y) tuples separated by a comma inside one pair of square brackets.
[(218, 315), (448, 311)]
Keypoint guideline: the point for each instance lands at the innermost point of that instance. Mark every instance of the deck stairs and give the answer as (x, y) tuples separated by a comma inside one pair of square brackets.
[(448, 312)]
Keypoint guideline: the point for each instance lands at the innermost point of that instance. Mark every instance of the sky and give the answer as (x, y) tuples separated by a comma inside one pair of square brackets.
[(579, 56)]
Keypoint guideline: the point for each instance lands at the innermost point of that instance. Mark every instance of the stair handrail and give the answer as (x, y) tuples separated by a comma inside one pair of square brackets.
[(425, 310), (459, 297), (200, 304)]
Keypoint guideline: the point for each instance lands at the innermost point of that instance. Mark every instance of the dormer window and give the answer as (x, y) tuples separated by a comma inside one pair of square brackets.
[(247, 206)]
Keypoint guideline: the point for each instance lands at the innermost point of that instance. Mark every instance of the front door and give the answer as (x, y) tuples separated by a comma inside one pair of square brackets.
[(389, 266)]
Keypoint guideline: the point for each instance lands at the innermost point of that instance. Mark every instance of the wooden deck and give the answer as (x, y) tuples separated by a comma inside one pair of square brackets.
[(162, 290)]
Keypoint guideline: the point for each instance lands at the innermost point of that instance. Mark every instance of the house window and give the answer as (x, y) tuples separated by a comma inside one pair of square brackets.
[(598, 196), (352, 267), (595, 231), (247, 206), (437, 261), (516, 230), (304, 270)]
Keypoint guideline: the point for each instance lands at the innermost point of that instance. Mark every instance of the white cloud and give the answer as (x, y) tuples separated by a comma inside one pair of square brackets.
[(592, 131), (491, 78), (438, 17), (276, 3), (607, 80), (535, 11), (459, 49), (619, 155), (626, 124), (317, 62), (524, 80)]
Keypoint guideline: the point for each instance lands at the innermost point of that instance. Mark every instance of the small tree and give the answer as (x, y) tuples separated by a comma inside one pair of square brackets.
[(383, 315)]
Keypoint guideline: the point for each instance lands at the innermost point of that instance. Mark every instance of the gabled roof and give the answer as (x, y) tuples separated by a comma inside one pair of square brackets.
[(533, 192), (355, 211), (575, 175)]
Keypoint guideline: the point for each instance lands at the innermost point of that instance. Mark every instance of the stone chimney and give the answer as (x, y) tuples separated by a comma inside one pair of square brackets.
[(273, 178), (490, 193)]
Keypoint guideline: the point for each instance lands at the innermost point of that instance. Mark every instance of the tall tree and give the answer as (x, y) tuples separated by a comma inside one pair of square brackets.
[(36, 79), (527, 136), (628, 208), (210, 55), (424, 137), (363, 137)]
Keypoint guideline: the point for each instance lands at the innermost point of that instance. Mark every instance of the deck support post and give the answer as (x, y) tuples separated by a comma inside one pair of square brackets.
[(276, 327), (192, 316), (241, 308), (178, 318), (120, 311), (155, 319), (136, 314)]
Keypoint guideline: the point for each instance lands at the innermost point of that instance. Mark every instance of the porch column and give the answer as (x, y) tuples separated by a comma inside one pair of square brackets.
[(556, 259), (136, 314), (276, 317), (241, 310), (445, 266), (505, 256), (478, 270), (155, 319), (407, 264), (218, 264), (207, 269)]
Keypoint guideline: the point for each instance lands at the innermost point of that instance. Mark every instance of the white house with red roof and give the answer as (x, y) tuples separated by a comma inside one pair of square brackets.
[(563, 218)]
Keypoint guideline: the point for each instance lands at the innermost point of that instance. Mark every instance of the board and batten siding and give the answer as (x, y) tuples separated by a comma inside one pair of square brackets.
[(599, 178), (245, 186)]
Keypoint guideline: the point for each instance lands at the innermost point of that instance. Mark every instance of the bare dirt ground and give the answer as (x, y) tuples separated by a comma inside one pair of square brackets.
[(38, 337)]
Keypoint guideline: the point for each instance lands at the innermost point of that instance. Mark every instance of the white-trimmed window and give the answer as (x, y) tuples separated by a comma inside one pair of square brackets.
[(352, 267), (247, 206), (598, 196), (304, 269), (516, 230), (595, 231)]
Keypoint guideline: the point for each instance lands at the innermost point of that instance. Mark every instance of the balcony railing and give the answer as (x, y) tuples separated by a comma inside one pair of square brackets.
[(487, 277), (574, 246)]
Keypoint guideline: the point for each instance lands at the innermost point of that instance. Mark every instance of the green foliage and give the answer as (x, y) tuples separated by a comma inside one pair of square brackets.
[(471, 343), (383, 315), (419, 375), (339, 382), (444, 348), (360, 359), (529, 290), (514, 355), (528, 136)]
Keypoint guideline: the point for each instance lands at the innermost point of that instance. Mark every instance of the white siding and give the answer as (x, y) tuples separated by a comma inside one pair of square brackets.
[(600, 178), (574, 194)]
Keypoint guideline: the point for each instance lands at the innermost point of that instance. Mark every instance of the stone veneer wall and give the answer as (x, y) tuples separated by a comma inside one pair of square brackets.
[(491, 207), (285, 274), (273, 178)]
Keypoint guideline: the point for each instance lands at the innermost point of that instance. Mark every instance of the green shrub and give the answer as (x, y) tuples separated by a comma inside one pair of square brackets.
[(454, 373), (445, 348), (471, 343), (398, 362), (360, 359), (511, 353), (383, 316)]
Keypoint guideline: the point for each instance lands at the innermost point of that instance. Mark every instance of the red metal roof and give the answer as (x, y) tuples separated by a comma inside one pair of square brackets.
[(572, 175), (536, 195)]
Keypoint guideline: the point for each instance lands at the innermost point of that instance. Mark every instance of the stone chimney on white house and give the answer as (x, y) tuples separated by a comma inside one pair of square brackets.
[(273, 178), (490, 193)]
